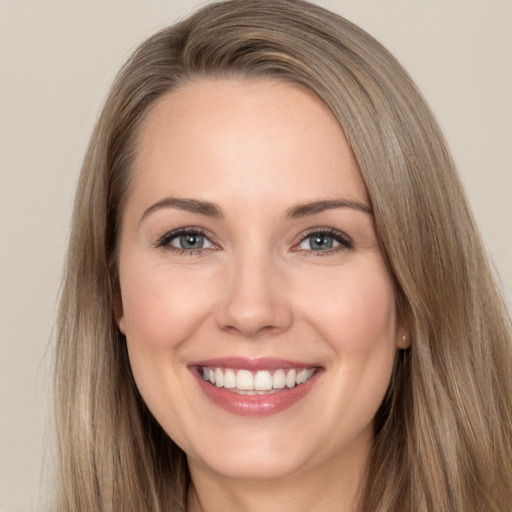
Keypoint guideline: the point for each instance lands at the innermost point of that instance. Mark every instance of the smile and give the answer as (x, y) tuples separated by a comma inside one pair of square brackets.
[(255, 387), (260, 382)]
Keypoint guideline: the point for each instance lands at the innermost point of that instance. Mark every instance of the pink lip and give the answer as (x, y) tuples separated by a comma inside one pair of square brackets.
[(242, 363), (253, 405)]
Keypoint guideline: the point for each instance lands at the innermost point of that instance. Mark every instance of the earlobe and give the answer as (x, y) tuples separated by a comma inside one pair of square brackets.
[(118, 308), (403, 340), (119, 315), (121, 324)]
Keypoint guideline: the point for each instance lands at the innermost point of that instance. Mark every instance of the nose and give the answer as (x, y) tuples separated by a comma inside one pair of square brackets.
[(254, 300)]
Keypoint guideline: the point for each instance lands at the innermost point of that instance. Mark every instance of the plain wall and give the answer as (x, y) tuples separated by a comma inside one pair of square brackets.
[(57, 60)]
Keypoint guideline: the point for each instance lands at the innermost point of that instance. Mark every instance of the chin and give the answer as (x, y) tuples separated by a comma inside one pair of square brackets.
[(252, 466)]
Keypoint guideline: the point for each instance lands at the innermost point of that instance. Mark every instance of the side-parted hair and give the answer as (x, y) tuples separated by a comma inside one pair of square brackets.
[(443, 436)]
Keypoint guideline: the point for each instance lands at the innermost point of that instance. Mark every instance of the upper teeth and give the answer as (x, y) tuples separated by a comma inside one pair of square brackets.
[(261, 380)]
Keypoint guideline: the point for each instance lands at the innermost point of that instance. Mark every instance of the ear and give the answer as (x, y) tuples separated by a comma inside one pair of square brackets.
[(118, 308), (403, 339), (121, 324), (119, 314)]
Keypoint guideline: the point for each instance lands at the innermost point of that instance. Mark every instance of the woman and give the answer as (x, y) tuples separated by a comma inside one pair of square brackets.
[(275, 294)]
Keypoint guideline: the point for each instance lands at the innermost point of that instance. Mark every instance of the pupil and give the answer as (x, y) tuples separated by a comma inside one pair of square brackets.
[(321, 242), (191, 241)]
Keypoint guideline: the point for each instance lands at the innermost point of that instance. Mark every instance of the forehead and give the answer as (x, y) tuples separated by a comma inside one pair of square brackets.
[(250, 137)]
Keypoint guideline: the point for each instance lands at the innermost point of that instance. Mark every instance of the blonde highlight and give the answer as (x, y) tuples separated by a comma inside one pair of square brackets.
[(444, 433)]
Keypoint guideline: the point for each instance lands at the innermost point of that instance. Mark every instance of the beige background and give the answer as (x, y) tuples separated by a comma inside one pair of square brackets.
[(56, 62)]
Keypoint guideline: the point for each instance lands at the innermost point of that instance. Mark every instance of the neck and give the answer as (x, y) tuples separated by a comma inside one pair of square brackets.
[(332, 488)]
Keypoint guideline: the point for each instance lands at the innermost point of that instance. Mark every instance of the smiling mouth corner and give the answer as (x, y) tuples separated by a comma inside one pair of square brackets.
[(255, 382)]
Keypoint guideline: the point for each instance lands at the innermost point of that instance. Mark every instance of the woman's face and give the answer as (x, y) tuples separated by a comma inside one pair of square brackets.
[(248, 263)]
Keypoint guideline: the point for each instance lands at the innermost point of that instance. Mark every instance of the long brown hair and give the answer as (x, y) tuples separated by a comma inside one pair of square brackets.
[(443, 437)]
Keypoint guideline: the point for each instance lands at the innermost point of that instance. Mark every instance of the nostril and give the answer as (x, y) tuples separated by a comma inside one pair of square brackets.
[(250, 331)]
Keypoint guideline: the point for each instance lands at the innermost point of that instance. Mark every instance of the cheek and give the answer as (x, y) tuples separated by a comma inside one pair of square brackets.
[(355, 314), (354, 308), (162, 306)]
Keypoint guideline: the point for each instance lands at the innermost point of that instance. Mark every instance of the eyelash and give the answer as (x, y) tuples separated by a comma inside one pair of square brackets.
[(344, 240), (165, 241), (340, 237)]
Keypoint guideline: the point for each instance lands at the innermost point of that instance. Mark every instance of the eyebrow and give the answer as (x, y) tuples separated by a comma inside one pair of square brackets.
[(314, 207), (212, 210), (190, 205)]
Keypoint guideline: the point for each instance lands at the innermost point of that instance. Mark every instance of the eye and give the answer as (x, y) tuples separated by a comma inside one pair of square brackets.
[(186, 240), (318, 242), (330, 240), (190, 241)]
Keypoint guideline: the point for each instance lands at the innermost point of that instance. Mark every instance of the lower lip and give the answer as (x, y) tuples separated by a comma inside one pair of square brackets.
[(256, 405)]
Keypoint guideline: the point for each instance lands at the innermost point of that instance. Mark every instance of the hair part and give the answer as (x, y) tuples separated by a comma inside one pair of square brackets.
[(444, 432)]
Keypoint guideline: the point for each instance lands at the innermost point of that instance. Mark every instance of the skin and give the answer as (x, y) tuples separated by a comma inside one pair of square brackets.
[(256, 148)]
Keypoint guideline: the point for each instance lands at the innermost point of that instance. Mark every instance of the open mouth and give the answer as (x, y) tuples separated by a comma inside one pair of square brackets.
[(255, 387), (259, 382)]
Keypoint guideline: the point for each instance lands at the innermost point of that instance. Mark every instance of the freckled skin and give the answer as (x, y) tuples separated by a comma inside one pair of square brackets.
[(256, 149)]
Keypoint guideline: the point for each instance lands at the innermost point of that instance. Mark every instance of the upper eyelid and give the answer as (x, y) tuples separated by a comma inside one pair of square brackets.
[(169, 235), (325, 231), (344, 240)]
